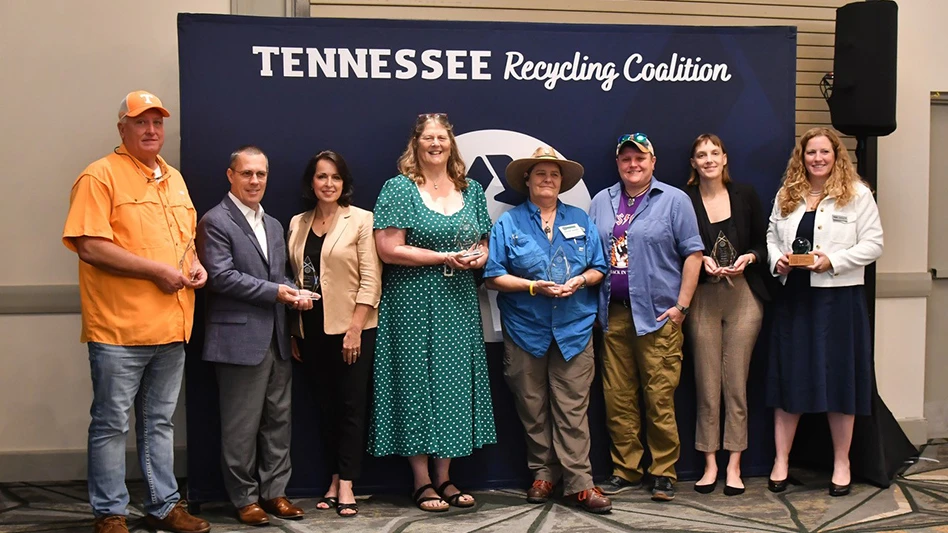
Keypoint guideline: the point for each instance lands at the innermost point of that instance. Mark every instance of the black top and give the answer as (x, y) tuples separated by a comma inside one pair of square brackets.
[(750, 233), (800, 277)]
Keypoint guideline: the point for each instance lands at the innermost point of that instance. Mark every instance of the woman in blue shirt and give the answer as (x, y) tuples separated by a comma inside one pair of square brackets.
[(543, 256)]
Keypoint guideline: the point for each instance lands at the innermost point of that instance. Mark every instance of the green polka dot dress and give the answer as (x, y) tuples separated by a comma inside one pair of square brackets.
[(432, 394)]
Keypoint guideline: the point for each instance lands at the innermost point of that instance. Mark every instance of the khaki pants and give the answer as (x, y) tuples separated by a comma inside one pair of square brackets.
[(552, 398), (722, 328), (651, 363)]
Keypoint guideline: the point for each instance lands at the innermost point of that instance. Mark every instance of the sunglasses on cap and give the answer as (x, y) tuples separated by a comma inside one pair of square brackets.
[(425, 116), (639, 139)]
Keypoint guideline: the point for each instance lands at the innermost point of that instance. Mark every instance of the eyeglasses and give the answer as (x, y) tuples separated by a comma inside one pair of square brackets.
[(247, 174), (639, 138)]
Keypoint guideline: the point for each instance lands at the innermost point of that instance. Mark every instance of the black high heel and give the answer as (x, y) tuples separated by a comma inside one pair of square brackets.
[(706, 489), (840, 490), (777, 486), (733, 491)]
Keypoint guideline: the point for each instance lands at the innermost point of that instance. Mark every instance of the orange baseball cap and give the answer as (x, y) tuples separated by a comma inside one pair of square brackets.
[(137, 102)]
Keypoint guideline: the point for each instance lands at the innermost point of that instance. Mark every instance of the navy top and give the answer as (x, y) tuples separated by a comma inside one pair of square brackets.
[(519, 247)]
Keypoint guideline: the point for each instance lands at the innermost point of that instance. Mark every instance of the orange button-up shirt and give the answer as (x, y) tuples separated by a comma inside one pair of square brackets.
[(117, 198)]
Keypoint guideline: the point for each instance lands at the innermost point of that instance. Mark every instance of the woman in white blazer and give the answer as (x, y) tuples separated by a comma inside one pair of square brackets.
[(821, 350), (332, 253)]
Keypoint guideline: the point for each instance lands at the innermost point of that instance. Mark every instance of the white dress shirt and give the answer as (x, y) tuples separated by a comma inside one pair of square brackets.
[(255, 219)]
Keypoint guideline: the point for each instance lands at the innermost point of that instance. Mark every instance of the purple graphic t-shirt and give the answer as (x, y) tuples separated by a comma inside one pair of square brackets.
[(619, 250)]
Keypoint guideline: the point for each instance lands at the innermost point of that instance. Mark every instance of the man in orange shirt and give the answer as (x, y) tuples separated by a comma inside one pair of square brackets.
[(132, 223)]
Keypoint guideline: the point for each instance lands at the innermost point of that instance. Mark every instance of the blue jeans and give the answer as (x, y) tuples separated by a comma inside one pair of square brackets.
[(151, 377)]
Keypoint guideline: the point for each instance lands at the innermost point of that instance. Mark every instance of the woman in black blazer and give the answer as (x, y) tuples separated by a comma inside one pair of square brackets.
[(727, 308)]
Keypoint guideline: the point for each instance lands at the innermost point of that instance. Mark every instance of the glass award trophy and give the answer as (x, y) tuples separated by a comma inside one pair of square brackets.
[(467, 239), (723, 251), (186, 261), (558, 272), (801, 256), (309, 288)]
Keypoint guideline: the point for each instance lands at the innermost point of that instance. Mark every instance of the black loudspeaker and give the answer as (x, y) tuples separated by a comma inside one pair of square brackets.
[(864, 59)]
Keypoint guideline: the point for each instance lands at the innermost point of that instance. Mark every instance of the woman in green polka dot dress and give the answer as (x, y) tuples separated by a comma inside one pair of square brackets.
[(432, 396)]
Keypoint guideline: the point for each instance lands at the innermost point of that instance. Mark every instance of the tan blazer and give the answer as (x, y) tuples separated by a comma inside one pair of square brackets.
[(349, 268)]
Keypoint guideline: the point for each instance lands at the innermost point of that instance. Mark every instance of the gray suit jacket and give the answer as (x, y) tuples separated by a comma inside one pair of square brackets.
[(242, 314)]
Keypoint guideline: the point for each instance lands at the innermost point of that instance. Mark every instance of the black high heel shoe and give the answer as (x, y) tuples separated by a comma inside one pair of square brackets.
[(840, 490), (733, 491), (706, 489), (777, 486)]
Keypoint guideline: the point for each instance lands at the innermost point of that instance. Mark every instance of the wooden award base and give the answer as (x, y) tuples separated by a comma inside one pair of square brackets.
[(802, 260)]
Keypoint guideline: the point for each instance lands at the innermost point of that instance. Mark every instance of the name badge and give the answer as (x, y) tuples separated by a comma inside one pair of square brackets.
[(841, 218), (572, 231)]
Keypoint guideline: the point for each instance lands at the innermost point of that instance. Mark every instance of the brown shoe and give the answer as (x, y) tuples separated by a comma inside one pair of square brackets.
[(540, 491), (113, 523), (591, 500), (252, 515), (178, 521), (282, 508)]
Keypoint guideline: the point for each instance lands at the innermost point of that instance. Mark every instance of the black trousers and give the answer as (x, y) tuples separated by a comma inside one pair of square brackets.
[(342, 392)]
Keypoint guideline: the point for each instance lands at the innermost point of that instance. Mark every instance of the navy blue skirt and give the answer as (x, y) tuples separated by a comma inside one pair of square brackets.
[(820, 350)]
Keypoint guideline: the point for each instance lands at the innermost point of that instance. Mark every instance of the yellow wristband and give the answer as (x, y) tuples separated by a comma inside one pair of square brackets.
[(532, 293)]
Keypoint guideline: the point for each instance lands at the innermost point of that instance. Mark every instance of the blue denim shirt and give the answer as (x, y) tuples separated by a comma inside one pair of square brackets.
[(663, 233), (519, 247)]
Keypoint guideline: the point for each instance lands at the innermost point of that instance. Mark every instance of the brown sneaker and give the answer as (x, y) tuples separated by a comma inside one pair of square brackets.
[(540, 491), (591, 500), (178, 521), (113, 523), (282, 508)]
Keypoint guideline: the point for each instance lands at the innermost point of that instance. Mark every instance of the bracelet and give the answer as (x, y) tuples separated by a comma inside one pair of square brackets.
[(583, 286), (532, 293)]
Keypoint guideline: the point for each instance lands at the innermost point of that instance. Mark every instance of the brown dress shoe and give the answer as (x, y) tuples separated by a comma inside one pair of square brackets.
[(112, 523), (540, 491), (252, 515), (591, 500), (178, 521), (282, 508)]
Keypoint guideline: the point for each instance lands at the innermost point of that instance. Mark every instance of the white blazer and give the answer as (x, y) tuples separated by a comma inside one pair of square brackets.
[(851, 236)]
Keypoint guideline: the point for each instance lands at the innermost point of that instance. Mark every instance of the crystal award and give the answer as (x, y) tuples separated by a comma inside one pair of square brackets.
[(723, 251), (467, 239), (309, 288), (801, 256), (558, 272)]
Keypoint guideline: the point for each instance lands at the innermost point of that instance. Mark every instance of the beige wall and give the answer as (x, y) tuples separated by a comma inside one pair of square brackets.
[(68, 63)]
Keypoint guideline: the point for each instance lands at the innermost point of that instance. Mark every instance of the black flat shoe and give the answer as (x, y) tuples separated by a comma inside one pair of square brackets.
[(706, 489), (839, 490), (777, 486), (736, 491)]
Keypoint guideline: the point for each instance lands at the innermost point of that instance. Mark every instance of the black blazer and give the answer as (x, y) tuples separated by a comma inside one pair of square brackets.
[(751, 232)]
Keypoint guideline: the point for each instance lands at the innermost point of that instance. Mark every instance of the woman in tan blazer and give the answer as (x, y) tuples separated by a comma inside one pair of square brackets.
[(332, 253)]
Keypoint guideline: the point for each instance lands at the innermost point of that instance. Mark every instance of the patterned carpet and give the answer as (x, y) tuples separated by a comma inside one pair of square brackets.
[(917, 501)]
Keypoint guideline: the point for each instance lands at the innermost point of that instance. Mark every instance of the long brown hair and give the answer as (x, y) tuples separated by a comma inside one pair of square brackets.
[(715, 140), (408, 162), (840, 185)]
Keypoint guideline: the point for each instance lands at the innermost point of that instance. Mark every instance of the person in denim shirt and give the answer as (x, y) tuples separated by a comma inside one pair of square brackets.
[(543, 257), (649, 232)]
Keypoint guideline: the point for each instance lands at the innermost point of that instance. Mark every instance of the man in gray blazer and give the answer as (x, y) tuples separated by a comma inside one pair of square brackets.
[(247, 339)]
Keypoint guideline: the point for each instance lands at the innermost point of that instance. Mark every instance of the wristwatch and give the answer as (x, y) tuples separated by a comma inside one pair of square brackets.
[(681, 308)]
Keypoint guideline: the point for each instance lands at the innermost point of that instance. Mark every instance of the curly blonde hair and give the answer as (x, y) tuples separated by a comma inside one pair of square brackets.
[(842, 181), (408, 162)]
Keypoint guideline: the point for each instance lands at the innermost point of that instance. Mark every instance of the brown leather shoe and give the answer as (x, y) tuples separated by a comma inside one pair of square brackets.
[(178, 521), (540, 491), (282, 508), (113, 523), (252, 515), (591, 500)]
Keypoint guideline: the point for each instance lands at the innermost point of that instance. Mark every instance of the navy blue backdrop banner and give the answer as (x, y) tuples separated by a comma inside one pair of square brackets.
[(298, 86)]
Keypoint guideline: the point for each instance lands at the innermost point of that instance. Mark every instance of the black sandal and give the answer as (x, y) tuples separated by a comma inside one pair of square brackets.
[(343, 506), (419, 500), (455, 499), (331, 502)]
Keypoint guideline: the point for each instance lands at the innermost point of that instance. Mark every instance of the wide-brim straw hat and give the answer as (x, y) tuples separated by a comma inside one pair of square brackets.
[(516, 171)]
